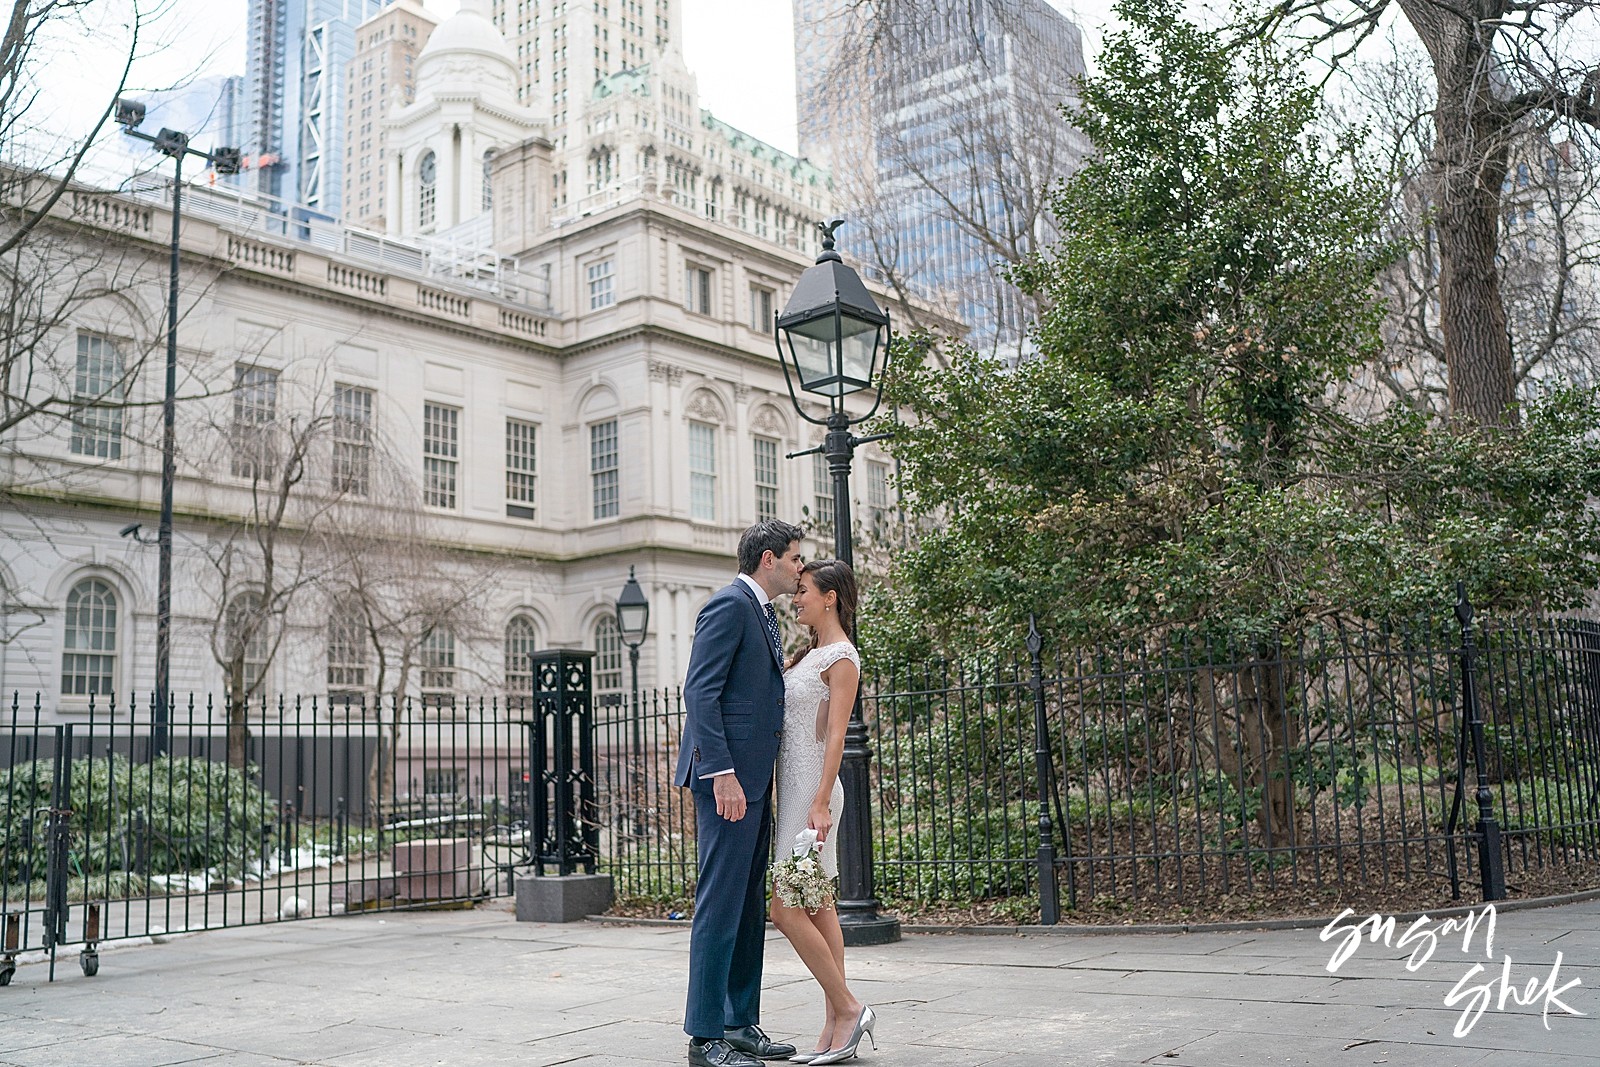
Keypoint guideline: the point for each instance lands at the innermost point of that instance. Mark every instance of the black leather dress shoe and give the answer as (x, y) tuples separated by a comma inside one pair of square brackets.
[(716, 1053), (753, 1040)]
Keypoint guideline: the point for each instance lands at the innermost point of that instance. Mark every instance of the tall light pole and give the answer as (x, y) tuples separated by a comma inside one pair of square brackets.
[(633, 623), (175, 145), (830, 336)]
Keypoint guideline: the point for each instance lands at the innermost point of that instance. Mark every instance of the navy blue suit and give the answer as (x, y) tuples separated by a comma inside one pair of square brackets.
[(733, 702)]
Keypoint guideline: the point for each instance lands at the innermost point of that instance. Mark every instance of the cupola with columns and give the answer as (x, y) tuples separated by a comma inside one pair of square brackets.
[(442, 145)]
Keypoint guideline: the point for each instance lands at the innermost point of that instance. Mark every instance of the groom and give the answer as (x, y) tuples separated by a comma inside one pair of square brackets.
[(733, 700)]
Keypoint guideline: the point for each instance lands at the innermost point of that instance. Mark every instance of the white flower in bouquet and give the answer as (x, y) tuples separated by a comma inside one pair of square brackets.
[(798, 878)]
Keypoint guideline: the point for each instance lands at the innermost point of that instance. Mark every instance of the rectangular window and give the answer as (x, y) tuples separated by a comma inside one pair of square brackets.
[(255, 408), (602, 291), (437, 663), (760, 309), (821, 492), (697, 290), (521, 468), (603, 469), (702, 472), (98, 392), (878, 491), (352, 440), (441, 781), (440, 452), (347, 649), (766, 478)]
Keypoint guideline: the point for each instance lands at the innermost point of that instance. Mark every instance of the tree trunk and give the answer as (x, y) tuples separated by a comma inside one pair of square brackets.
[(238, 716), (1269, 732), (1472, 314), (1469, 169)]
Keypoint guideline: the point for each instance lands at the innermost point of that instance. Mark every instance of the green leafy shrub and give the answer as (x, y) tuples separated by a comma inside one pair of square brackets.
[(169, 816)]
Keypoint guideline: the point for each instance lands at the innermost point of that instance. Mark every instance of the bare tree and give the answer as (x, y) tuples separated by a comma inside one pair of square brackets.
[(301, 450), (80, 310), (404, 607), (45, 275), (1548, 248), (1502, 70)]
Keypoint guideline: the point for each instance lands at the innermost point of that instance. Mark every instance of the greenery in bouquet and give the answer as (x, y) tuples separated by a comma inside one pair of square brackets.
[(800, 882)]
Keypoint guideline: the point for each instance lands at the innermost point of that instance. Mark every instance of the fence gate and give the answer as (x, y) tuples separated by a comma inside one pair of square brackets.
[(284, 810)]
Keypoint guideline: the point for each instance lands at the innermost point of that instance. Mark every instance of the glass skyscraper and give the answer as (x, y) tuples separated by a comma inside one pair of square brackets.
[(940, 122), (296, 59)]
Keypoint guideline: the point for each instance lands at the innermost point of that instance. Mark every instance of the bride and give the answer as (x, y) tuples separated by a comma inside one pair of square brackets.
[(819, 693)]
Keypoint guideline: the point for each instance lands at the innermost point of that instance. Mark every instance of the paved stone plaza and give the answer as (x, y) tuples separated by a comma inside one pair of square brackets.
[(477, 988)]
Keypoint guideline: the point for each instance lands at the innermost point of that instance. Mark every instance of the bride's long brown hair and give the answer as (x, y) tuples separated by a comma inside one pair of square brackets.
[(832, 576)]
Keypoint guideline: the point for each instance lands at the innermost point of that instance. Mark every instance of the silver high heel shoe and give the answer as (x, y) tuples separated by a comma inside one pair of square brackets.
[(804, 1057), (864, 1027)]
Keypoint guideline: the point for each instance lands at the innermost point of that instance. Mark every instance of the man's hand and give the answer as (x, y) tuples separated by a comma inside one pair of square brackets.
[(730, 796)]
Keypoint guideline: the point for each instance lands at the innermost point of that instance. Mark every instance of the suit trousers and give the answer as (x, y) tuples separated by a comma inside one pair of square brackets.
[(729, 933)]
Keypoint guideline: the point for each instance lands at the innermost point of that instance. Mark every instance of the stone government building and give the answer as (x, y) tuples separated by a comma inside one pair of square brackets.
[(562, 351)]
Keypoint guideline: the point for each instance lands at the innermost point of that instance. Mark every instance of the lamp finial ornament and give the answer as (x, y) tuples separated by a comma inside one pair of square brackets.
[(827, 229)]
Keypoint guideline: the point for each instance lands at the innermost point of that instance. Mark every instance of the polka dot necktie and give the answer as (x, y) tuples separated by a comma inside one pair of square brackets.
[(772, 631)]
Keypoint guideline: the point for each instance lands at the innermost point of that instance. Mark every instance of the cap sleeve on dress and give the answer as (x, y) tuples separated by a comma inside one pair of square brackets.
[(827, 657)]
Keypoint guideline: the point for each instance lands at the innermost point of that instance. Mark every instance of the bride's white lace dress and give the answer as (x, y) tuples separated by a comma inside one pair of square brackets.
[(805, 710)]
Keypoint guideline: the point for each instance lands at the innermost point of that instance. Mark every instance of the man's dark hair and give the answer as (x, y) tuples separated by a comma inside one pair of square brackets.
[(769, 535)]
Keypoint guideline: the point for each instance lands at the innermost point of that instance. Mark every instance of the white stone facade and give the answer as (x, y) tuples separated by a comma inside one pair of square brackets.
[(559, 389), (688, 388)]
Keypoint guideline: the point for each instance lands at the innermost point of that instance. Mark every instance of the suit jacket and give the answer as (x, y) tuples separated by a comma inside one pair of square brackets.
[(733, 695)]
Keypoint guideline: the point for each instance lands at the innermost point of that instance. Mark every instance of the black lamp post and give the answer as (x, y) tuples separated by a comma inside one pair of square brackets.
[(830, 336), (171, 143), (633, 623)]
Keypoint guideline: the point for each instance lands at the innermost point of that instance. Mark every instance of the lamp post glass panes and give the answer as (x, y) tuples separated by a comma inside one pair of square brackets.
[(175, 145), (633, 623), (831, 336)]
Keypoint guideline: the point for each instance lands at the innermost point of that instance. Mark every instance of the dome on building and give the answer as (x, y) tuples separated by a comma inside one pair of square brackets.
[(458, 47), (470, 30)]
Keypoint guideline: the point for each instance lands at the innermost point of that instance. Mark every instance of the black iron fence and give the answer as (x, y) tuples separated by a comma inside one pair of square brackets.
[(1389, 765), (1375, 763), (285, 809)]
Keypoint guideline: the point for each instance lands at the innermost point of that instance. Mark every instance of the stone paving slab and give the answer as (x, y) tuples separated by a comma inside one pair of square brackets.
[(476, 988)]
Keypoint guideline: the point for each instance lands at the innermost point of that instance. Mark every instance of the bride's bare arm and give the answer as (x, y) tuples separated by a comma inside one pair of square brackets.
[(843, 678)]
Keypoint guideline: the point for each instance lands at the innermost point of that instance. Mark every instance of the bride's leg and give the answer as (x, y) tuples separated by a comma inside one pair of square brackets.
[(847, 1011), (818, 954)]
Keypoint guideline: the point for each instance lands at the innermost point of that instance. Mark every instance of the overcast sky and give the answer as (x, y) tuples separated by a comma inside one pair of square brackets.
[(742, 52)]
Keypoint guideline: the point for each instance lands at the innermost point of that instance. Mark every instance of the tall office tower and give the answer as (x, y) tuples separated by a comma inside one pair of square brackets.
[(940, 123), (297, 53), (381, 79), (564, 48), (230, 121), (230, 111)]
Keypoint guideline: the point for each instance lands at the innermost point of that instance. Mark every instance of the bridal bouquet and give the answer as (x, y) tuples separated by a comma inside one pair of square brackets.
[(798, 879)]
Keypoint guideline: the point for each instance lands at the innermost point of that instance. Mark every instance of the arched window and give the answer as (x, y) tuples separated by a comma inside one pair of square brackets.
[(348, 649), (608, 656), (438, 662), (248, 638), (427, 190), (89, 645), (521, 641)]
